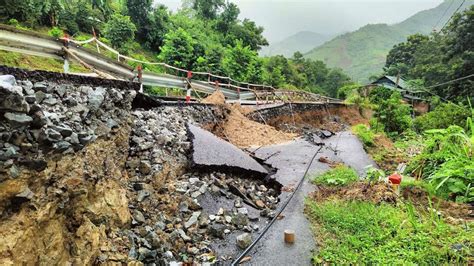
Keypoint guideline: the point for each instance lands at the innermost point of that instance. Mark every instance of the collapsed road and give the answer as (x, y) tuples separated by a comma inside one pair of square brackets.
[(92, 174)]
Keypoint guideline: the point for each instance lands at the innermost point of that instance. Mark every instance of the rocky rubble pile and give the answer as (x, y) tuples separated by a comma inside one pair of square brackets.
[(175, 217), (181, 221), (49, 118)]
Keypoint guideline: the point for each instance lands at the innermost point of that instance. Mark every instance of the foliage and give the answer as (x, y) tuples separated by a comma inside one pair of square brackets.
[(238, 61), (444, 115), (362, 53), (119, 30), (374, 174), (439, 57), (208, 9), (339, 176), (204, 36), (178, 49), (365, 134), (394, 114), (56, 32), (355, 232), (447, 163)]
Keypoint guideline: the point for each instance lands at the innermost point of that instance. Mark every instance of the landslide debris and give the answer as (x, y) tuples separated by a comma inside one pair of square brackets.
[(243, 132), (85, 179), (61, 171), (178, 212), (212, 152)]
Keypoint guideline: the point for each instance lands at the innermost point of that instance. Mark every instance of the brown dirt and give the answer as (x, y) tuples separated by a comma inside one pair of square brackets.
[(216, 98), (43, 231), (385, 154), (320, 119), (383, 193), (243, 132)]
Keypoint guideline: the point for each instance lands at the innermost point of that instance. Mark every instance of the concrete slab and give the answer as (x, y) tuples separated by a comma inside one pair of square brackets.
[(211, 151)]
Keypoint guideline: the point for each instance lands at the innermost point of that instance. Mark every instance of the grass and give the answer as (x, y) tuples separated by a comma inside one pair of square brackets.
[(365, 233), (338, 176), (365, 134), (12, 59)]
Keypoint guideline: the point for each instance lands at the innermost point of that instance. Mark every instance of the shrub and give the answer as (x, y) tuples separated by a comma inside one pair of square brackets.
[(120, 30), (56, 32), (444, 115), (447, 162), (339, 176), (394, 114), (365, 134)]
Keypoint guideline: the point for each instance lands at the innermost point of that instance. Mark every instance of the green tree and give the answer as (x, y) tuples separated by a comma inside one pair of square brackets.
[(178, 49), (24, 11), (394, 114), (402, 56), (238, 61), (228, 18), (159, 26), (120, 30), (249, 33), (208, 9), (139, 11)]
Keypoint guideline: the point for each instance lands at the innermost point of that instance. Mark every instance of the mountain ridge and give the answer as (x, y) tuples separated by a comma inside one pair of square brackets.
[(302, 41)]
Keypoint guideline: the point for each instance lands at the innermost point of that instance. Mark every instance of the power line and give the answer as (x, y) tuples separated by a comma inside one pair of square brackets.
[(442, 16), (451, 81), (457, 9)]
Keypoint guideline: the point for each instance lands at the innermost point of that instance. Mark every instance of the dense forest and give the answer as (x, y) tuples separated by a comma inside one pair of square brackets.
[(202, 36)]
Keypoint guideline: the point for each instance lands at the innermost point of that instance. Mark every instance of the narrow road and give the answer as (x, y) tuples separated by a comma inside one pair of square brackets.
[(291, 160)]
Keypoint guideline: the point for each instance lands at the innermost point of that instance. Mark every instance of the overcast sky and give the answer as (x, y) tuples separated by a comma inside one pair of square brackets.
[(282, 18)]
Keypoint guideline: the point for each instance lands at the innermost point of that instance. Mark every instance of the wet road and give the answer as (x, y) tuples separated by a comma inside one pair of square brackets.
[(291, 160)]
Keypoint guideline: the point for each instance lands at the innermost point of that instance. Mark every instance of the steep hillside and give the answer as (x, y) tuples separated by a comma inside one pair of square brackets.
[(362, 53), (302, 41)]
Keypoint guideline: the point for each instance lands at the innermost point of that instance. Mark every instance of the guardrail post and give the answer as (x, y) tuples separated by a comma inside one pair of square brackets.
[(140, 77), (66, 65), (188, 85), (238, 94)]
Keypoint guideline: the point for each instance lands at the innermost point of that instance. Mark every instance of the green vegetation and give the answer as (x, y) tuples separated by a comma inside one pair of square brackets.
[(120, 30), (365, 134), (204, 36), (362, 53), (338, 176), (438, 58), (443, 115), (394, 114), (356, 232), (37, 63), (447, 163)]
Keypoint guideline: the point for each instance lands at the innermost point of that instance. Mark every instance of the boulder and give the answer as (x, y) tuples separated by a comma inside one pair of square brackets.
[(244, 240)]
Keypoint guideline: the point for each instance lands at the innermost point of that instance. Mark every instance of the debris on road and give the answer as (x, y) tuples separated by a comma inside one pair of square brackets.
[(209, 150)]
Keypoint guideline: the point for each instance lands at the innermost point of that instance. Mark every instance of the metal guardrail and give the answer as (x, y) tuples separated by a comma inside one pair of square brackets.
[(31, 43)]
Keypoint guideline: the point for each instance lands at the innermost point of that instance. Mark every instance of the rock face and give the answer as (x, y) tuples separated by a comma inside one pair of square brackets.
[(211, 151), (62, 190)]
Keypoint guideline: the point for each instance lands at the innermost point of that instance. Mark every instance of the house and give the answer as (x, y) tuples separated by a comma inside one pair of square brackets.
[(411, 95)]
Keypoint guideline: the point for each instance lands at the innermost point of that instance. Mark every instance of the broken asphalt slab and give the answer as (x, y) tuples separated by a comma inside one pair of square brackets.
[(209, 150)]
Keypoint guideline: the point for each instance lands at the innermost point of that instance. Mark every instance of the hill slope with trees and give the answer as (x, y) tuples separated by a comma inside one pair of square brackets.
[(202, 36), (302, 42), (362, 53)]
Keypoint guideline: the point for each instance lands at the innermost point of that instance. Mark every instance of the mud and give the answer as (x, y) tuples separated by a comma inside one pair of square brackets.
[(383, 193)]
